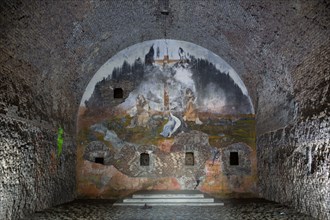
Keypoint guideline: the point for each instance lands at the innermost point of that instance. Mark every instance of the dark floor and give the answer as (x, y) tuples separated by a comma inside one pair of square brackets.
[(235, 209)]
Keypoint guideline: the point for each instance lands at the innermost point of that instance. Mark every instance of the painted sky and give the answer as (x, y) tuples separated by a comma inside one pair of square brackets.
[(171, 47)]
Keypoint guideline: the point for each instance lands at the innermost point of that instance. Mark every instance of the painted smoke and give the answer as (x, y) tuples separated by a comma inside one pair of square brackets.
[(165, 85)]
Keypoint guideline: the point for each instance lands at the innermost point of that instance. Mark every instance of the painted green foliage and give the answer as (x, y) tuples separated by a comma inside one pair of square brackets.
[(59, 141)]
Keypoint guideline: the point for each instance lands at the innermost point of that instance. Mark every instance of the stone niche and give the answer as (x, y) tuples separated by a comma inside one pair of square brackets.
[(236, 159), (141, 162), (188, 153), (96, 151), (144, 159), (110, 93), (189, 159)]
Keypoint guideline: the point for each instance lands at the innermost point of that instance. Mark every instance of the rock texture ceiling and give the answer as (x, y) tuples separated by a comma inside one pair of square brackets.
[(54, 48)]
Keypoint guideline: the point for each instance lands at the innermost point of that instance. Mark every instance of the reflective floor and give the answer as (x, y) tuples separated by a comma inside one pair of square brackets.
[(236, 209)]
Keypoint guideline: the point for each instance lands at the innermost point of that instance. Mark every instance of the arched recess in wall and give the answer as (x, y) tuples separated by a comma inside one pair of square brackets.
[(165, 100)]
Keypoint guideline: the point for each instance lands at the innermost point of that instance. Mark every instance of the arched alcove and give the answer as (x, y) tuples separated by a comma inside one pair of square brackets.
[(178, 97)]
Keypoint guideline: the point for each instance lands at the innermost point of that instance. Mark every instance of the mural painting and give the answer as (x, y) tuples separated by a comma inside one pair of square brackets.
[(167, 115)]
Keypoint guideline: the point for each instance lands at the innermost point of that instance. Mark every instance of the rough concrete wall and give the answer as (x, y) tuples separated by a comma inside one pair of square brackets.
[(32, 176), (34, 102), (294, 162)]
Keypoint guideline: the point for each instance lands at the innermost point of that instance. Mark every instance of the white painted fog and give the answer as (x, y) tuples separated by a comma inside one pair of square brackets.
[(170, 47)]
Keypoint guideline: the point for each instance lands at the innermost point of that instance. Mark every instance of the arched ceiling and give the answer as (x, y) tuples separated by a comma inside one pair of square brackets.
[(50, 50)]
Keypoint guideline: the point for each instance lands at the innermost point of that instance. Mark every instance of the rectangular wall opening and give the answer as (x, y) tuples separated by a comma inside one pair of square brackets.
[(99, 160), (118, 93), (233, 159), (189, 159), (144, 159)]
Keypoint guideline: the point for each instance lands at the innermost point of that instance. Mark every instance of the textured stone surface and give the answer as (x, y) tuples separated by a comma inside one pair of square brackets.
[(32, 176), (284, 171), (294, 162), (50, 50), (98, 149)]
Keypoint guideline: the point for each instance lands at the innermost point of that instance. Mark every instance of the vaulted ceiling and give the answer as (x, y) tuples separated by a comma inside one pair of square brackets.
[(50, 50)]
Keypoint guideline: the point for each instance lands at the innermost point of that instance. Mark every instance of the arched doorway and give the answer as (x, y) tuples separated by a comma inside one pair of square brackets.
[(179, 104)]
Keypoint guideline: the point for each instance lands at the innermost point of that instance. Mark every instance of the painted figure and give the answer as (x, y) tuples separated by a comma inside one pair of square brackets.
[(142, 116), (171, 126), (190, 113)]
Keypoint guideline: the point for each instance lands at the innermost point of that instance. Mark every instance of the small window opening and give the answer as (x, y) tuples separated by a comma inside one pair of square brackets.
[(189, 159), (99, 160), (144, 159), (233, 158), (118, 93)]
